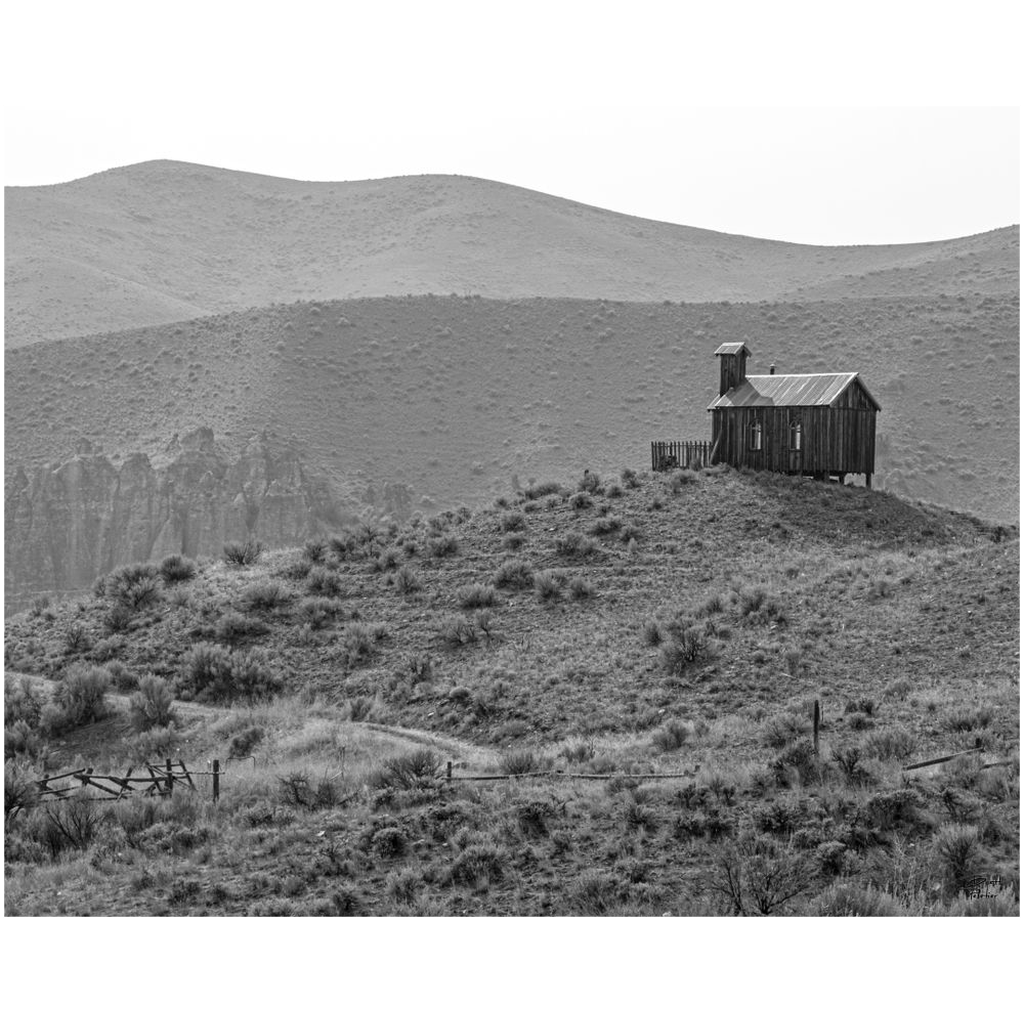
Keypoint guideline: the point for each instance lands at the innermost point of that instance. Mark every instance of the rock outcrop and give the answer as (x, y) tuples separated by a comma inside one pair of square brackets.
[(67, 524)]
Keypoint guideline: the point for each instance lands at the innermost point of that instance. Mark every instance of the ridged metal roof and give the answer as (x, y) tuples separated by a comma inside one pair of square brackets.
[(788, 389)]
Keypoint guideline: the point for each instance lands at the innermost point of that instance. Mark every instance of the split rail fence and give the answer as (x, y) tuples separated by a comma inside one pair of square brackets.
[(152, 780)]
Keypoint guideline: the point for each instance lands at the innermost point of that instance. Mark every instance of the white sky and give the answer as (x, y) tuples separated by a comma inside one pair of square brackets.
[(611, 105)]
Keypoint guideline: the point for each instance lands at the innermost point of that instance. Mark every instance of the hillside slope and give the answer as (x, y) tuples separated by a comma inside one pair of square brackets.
[(445, 400), (162, 236), (676, 625)]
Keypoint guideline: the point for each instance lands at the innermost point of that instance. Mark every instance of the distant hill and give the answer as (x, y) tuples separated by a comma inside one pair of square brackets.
[(164, 241)]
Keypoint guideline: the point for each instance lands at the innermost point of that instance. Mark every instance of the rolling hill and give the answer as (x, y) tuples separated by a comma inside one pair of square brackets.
[(149, 243)]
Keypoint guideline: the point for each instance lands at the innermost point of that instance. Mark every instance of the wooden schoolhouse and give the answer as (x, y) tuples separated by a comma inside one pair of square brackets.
[(809, 424), (814, 424)]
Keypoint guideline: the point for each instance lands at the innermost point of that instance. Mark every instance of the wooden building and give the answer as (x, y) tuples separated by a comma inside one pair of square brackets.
[(814, 424)]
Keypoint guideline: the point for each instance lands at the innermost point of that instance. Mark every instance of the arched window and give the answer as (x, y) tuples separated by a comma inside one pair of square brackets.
[(755, 436), (796, 436)]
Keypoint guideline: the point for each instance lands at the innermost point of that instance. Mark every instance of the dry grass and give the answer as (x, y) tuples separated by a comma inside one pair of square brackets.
[(573, 685)]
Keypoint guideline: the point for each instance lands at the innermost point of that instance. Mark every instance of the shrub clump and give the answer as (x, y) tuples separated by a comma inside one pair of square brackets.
[(444, 546), (232, 627), (890, 744), (416, 770), (511, 522), (264, 596), (476, 595), (316, 612), (22, 701), (216, 674), (457, 631), (243, 554), (783, 728), (478, 865), (606, 525), (686, 646), (682, 478), (314, 549), (672, 736), (118, 618), (325, 582), (521, 762), (133, 587), (959, 849), (360, 641), (536, 491), (574, 545), (177, 569), (761, 876), (547, 586), (150, 707), (514, 574), (653, 633), (758, 606), (80, 699), (387, 560), (405, 580)]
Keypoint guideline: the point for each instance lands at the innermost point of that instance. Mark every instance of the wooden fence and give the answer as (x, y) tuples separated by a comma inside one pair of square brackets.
[(679, 454), (158, 780)]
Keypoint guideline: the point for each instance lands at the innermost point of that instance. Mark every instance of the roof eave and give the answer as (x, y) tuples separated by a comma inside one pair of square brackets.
[(855, 379)]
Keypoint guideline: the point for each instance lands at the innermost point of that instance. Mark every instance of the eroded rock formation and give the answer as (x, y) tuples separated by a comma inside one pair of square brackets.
[(67, 524)]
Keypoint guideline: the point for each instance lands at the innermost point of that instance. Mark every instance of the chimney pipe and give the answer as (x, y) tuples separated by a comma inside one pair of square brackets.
[(771, 369)]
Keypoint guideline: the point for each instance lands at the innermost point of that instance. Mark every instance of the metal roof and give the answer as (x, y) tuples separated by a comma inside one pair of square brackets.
[(789, 389), (731, 348)]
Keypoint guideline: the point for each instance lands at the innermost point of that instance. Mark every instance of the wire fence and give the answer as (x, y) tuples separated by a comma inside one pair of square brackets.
[(161, 779)]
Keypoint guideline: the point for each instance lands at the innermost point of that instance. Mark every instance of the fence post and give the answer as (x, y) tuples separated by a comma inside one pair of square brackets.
[(170, 778), (817, 726), (216, 780)]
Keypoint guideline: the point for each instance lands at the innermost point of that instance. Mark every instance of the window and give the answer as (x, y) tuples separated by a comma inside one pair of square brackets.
[(755, 436), (796, 436)]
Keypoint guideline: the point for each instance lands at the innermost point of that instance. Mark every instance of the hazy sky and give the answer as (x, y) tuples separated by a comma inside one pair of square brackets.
[(591, 103)]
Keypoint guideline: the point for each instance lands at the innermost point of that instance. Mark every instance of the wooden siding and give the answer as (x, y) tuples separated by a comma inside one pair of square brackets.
[(835, 440), (854, 397)]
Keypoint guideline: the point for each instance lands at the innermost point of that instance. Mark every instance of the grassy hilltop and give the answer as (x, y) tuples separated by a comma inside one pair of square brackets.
[(678, 625)]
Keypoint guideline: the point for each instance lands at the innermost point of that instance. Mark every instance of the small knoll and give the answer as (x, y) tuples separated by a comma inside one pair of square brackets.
[(845, 582)]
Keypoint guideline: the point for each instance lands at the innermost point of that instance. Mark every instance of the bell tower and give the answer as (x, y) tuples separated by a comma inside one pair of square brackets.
[(733, 366)]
